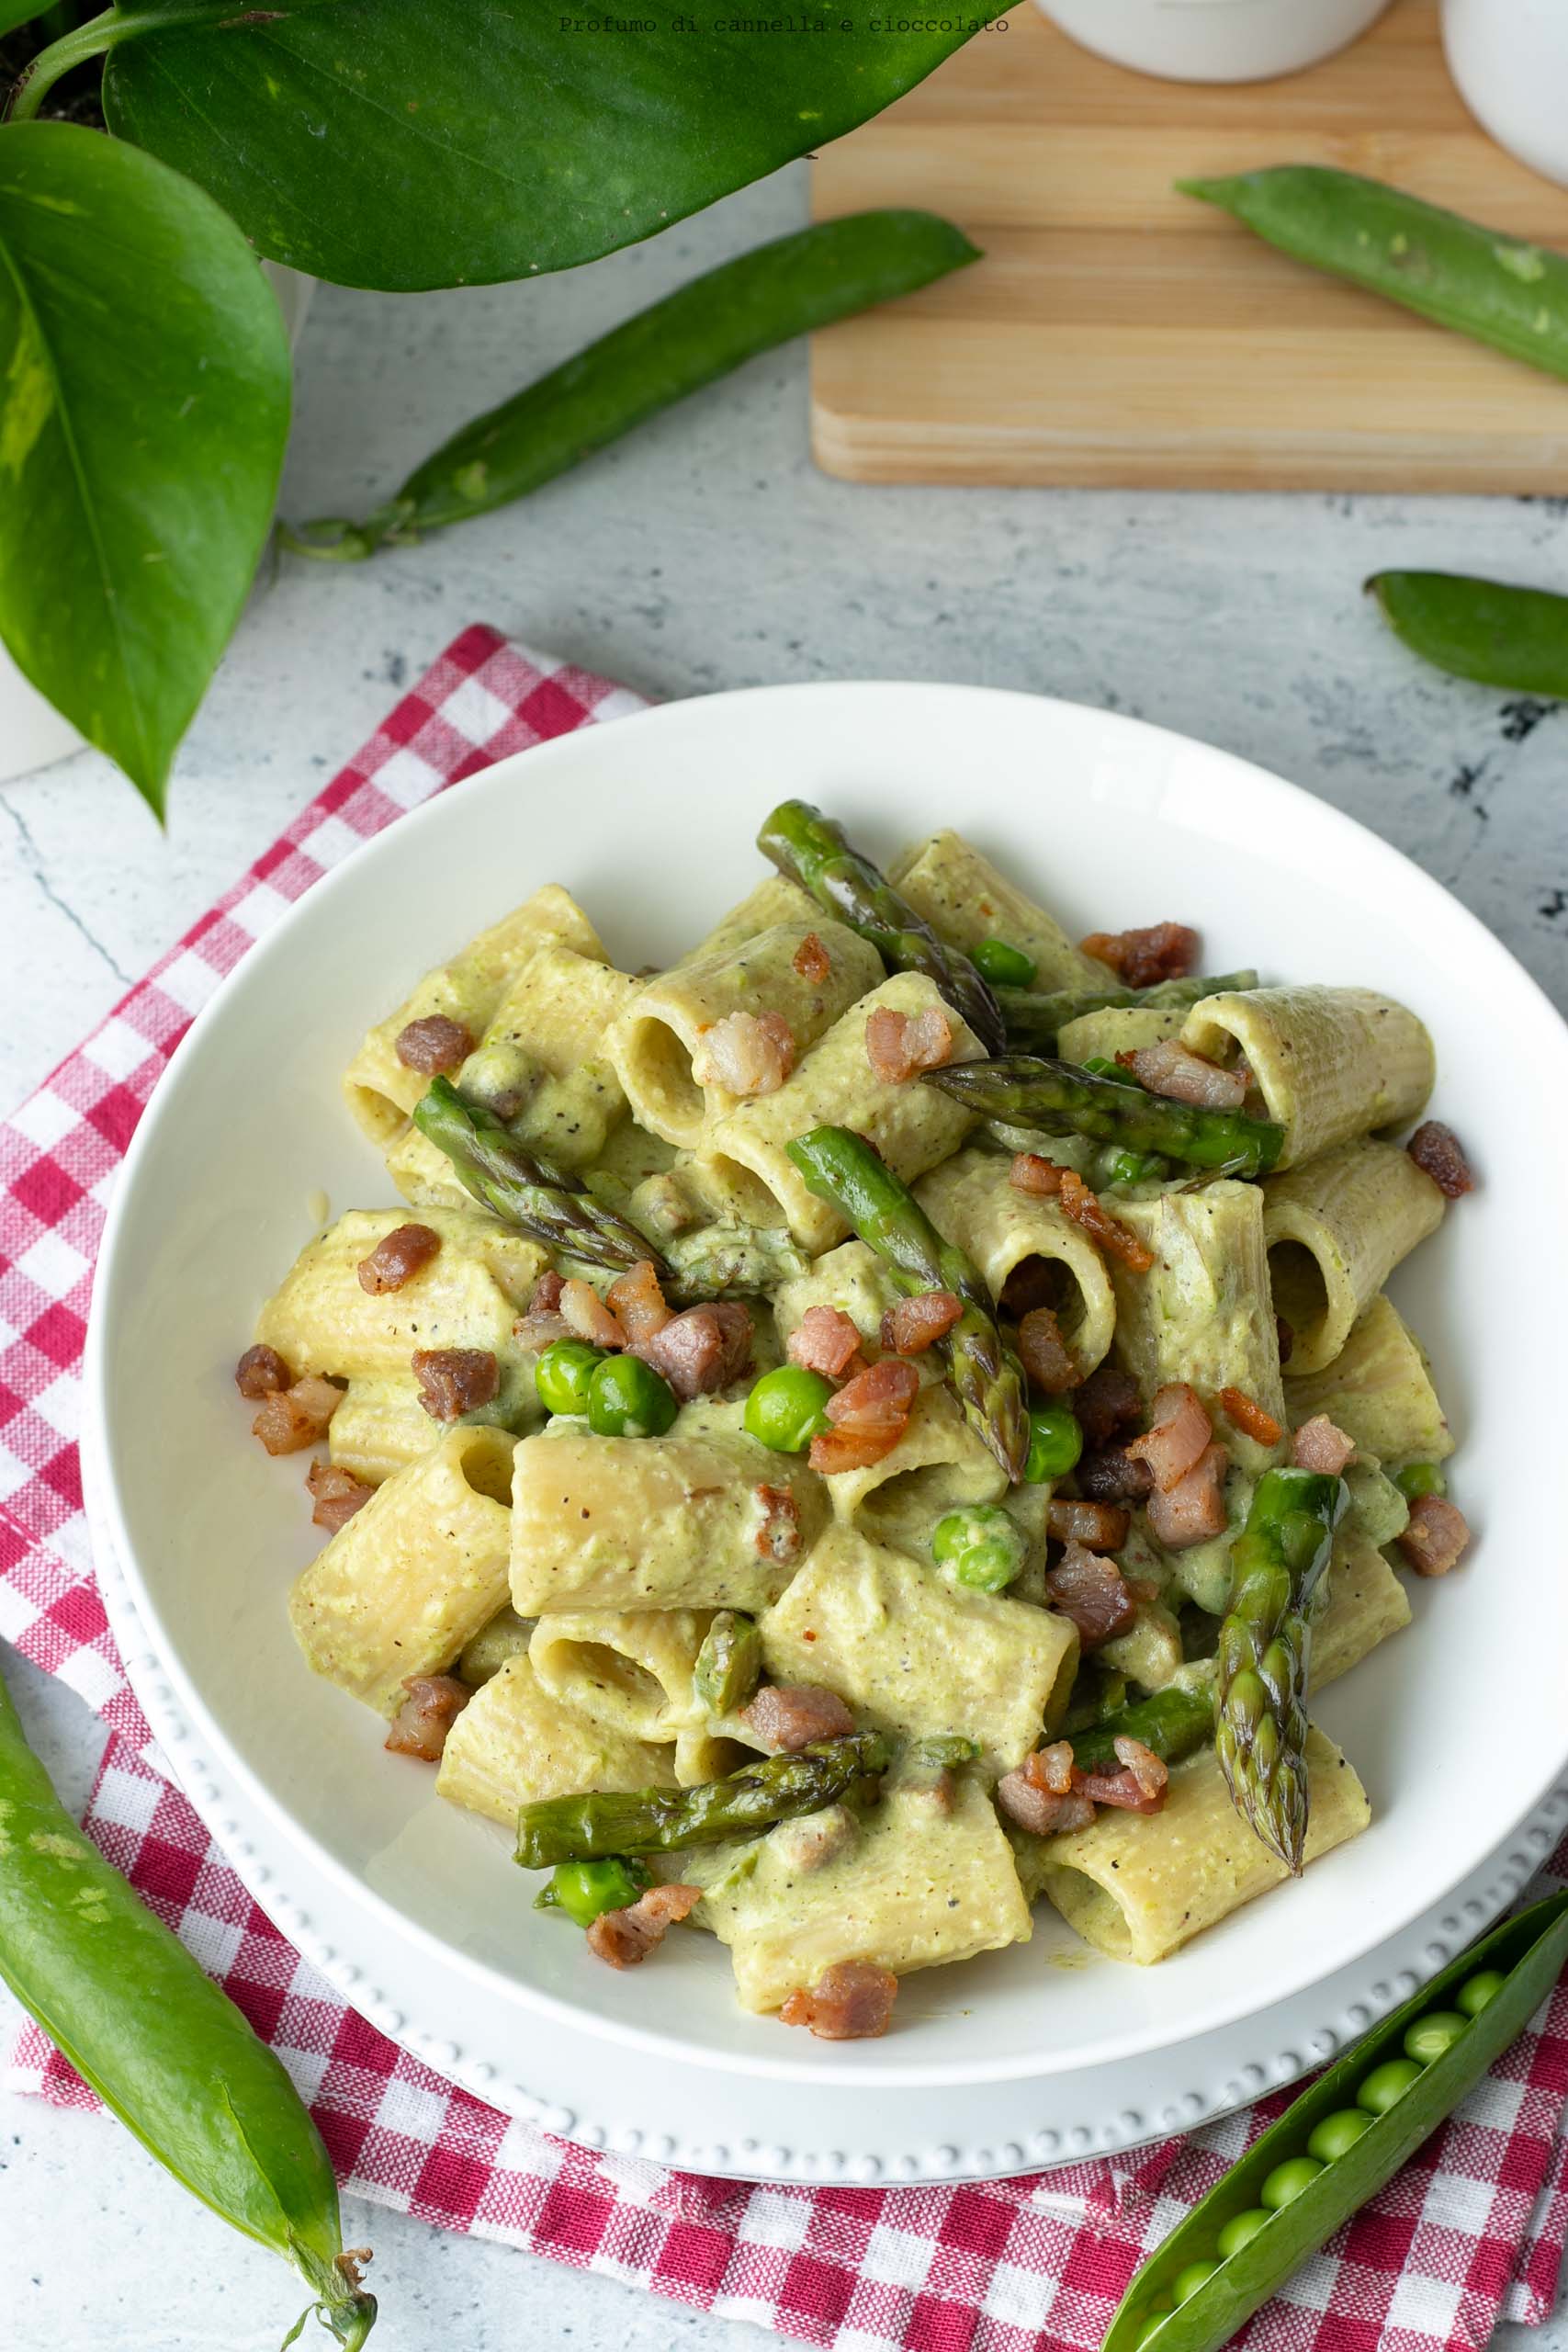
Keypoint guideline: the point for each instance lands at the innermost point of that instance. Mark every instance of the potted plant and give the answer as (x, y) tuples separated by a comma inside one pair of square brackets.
[(144, 364)]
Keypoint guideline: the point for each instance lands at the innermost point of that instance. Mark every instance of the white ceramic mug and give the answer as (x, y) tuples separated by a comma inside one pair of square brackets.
[(1510, 60), (1217, 40)]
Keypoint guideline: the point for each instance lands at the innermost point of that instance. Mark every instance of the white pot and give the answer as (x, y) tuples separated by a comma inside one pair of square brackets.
[(1217, 40), (32, 735), (1510, 60)]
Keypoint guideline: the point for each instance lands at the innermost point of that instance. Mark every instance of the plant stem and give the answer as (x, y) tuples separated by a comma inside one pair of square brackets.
[(95, 39)]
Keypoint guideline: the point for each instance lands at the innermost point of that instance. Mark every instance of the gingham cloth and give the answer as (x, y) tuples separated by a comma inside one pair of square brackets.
[(1470, 2231)]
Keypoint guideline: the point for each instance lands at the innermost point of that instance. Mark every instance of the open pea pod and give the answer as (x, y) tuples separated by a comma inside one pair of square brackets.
[(1521, 1961)]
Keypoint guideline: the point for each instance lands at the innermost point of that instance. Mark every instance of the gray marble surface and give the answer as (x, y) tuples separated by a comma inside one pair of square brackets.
[(707, 552)]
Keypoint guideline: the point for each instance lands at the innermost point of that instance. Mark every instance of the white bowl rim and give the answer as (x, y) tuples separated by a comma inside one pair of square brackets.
[(840, 2070)]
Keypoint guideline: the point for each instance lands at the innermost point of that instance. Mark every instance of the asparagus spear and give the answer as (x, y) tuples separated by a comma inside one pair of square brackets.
[(811, 850), (1174, 1722), (724, 1260), (1033, 1016), (527, 1192), (1029, 1092), (1260, 1667), (657, 1821), (841, 1166), (728, 1666)]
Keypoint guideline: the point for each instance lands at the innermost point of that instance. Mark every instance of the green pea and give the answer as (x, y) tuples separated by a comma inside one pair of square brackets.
[(1241, 2229), (988, 1567), (585, 1890), (1157, 2316), (1387, 2084), (1420, 1478), (788, 1408), (1102, 1066), (628, 1399), (1188, 2281), (1337, 2134), (1055, 1441), (563, 1373), (1431, 2036), (1288, 2180), (981, 1547), (1005, 966), (1476, 1991)]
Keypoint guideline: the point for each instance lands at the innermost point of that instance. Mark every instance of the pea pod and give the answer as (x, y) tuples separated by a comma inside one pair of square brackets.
[(1501, 290), (161, 2045), (694, 336), (1515, 638), (1259, 2239)]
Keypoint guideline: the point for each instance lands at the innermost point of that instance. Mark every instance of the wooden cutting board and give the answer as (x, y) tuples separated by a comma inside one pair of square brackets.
[(1118, 334)]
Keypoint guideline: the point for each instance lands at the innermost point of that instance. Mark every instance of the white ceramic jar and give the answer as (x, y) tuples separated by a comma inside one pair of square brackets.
[(1510, 60), (1218, 41)]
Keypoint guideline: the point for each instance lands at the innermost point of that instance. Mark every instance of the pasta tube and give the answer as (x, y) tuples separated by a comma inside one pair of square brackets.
[(965, 899), (656, 1048), (411, 1578), (1138, 1887), (910, 1886), (1365, 1603), (1335, 1228), (380, 1427), (913, 1654), (1378, 1391), (380, 1090), (632, 1671), (970, 1199), (704, 1518), (515, 1744), (1120, 1029), (1330, 1063), (938, 1464)]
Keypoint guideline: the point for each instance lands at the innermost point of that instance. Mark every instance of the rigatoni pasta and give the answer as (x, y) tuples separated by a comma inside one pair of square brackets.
[(798, 1487)]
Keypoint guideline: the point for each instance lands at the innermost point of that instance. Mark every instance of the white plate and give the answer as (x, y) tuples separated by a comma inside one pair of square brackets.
[(649, 821)]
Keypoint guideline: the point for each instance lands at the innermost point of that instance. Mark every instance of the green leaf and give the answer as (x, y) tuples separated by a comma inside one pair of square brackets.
[(441, 143), (143, 412)]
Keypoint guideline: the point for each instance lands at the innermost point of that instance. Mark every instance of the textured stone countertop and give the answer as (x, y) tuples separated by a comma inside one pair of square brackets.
[(706, 552)]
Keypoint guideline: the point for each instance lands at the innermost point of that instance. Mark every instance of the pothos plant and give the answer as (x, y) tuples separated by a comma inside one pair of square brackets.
[(391, 144)]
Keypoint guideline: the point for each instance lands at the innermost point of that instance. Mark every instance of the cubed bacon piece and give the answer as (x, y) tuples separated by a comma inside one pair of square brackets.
[(1169, 1069), (587, 1317), (636, 1302), (397, 1258), (825, 1340), (626, 1938), (1046, 1355), (338, 1494), (703, 1349), (543, 1323), (1109, 1231), (1093, 1594), (851, 2001), (1437, 1536), (1249, 1416), (898, 1046), (1106, 1404), (1045, 1794), (746, 1053), (869, 1415), (1033, 1175), (434, 1703), (1114, 1476), (1194, 1509), (811, 961), (260, 1372), (1178, 1430), (1102, 1525), (434, 1045), (784, 1717), (1139, 1787), (1437, 1148), (454, 1381), (778, 1537), (918, 1323), (1318, 1445), (292, 1419), (1163, 951)]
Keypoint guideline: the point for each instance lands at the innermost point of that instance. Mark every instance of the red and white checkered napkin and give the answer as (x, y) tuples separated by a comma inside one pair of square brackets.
[(1470, 2231)]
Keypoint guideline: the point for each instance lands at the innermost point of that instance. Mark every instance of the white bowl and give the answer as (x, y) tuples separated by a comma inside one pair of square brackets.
[(1457, 1726)]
